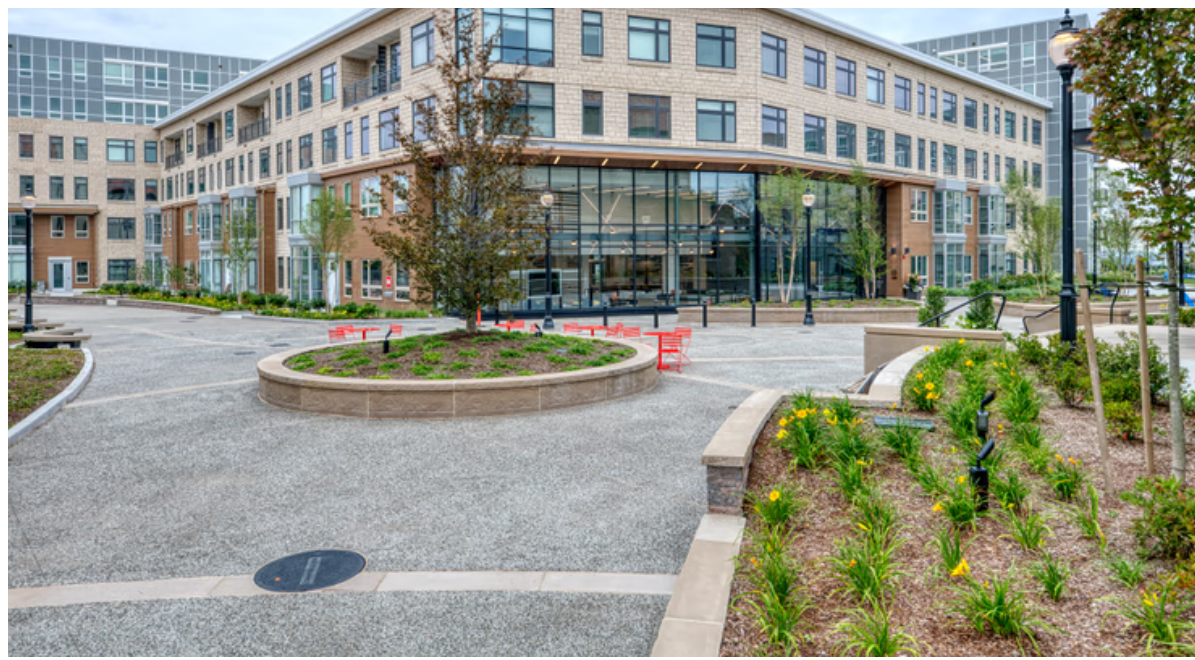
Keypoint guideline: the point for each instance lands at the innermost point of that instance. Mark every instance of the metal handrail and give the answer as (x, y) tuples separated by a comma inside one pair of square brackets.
[(368, 88), (209, 147), (253, 131), (1025, 319), (937, 320), (174, 160)]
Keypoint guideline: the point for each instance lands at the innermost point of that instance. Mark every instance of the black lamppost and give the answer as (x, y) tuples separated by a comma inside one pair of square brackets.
[(29, 202), (808, 199), (1060, 46), (547, 200)]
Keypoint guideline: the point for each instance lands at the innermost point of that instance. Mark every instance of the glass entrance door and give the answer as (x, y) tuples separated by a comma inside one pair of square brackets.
[(60, 275)]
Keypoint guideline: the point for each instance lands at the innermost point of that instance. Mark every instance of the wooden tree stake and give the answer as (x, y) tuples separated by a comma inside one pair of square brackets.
[(1093, 364), (1147, 425)]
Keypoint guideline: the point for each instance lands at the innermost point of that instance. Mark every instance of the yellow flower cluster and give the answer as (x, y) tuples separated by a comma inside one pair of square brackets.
[(962, 570), (773, 496)]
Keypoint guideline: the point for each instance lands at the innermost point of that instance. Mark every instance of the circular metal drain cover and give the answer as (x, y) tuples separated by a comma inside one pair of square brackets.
[(244, 353), (430, 328), (308, 571), (279, 345)]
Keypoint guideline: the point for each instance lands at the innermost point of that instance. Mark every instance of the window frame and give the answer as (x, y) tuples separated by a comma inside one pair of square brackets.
[(423, 43), (587, 24), (877, 79), (778, 54), (305, 93), (723, 115), (85, 232), (818, 129), (779, 121), (817, 60), (727, 46), (125, 229), (661, 30), (661, 106), (848, 137), (949, 107), (905, 91), (327, 85), (129, 147), (849, 75), (907, 141), (515, 53), (876, 137), (591, 100)]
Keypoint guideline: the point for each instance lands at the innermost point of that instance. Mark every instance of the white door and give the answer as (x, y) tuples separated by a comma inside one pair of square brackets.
[(60, 276)]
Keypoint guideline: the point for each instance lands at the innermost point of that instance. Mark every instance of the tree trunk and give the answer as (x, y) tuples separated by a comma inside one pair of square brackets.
[(1178, 441)]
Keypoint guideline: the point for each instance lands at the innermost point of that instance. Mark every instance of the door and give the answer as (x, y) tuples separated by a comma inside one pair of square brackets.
[(60, 275)]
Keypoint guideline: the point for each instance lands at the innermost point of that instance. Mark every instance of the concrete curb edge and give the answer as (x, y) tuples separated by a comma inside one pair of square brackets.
[(51, 408)]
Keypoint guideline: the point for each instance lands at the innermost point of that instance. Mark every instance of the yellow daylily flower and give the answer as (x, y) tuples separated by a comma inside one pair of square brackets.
[(784, 422), (782, 435), (1059, 457), (962, 569), (970, 363), (853, 562), (773, 496), (961, 342), (937, 507), (801, 414), (929, 386), (920, 376), (962, 479), (864, 527), (999, 427)]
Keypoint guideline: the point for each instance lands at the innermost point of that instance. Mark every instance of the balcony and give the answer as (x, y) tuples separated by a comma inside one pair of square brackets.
[(174, 160), (209, 147), (375, 85), (251, 132)]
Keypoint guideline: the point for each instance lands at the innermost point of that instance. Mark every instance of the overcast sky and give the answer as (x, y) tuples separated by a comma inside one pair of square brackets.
[(266, 33)]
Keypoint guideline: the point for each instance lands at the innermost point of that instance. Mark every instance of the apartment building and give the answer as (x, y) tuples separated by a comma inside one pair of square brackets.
[(1018, 56), (661, 128)]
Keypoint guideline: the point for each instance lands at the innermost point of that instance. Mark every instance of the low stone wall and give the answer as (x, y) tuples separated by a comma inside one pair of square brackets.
[(790, 316), (1124, 309), (727, 457), (423, 399), (115, 301), (884, 343)]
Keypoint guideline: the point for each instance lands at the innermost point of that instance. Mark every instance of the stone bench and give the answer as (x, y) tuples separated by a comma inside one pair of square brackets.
[(40, 324), (55, 338)]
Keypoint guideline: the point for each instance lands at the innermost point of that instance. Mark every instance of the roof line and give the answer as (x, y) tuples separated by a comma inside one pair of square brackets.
[(855, 34), (164, 50), (1002, 27)]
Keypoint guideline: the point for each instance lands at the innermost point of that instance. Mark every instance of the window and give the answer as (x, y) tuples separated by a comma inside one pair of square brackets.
[(985, 118), (117, 112), (327, 83), (278, 104), (54, 68), (157, 76), (26, 66), (80, 188), (80, 109), (263, 163), (1037, 175), (304, 93), (423, 114), (57, 188), (121, 270), (229, 125), (423, 44), (537, 106), (196, 81), (348, 192), (122, 151), (348, 278), (844, 77), (169, 188), (715, 46), (949, 107), (190, 140), (348, 140), (525, 37), (57, 226), (329, 142), (921, 99), (986, 168), (305, 155), (57, 148), (592, 37), (122, 190), (715, 121), (775, 127), (971, 113), (903, 145), (371, 197), (26, 106), (26, 145), (288, 161), (371, 279), (1024, 129), (1037, 132), (365, 136), (82, 226), (971, 164), (650, 116), (649, 39), (55, 107), (815, 68), (591, 113), (151, 190), (117, 74), (189, 225), (1028, 54), (122, 229), (1010, 125), (815, 134), (774, 52), (933, 102), (996, 166), (921, 155), (288, 97), (875, 85), (26, 185), (904, 94), (875, 145), (80, 70), (920, 206), (846, 140), (949, 160), (82, 272)]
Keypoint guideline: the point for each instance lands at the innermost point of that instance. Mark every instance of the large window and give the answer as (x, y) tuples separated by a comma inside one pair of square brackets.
[(715, 46), (525, 35), (387, 129), (1037, 175), (122, 190), (875, 85), (650, 116), (57, 226), (649, 39), (847, 140), (949, 160), (715, 121), (904, 94), (122, 151), (82, 226), (921, 154), (371, 279), (304, 93), (327, 86), (348, 142), (25, 142), (118, 74), (591, 113), (122, 229), (971, 113), (815, 68), (815, 134), (919, 206), (970, 164), (118, 112), (423, 43), (904, 151), (57, 148), (81, 148), (305, 155), (774, 52), (150, 149), (875, 146), (592, 34), (949, 107), (1010, 125), (775, 127), (371, 197), (949, 211), (329, 146), (921, 99), (122, 270), (57, 188), (423, 117), (196, 81), (54, 68), (80, 188), (933, 102), (933, 157), (151, 190), (537, 106), (844, 77)]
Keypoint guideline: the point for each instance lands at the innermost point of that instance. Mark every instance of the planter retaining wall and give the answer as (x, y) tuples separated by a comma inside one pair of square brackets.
[(885, 343), (116, 301), (782, 316)]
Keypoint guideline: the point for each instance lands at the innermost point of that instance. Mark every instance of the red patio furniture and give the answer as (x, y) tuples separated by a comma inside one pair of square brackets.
[(630, 333), (336, 335), (671, 349), (686, 335), (396, 329), (614, 330), (572, 328)]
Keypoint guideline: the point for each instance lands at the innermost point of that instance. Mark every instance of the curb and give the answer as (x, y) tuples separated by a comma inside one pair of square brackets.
[(696, 614), (51, 408), (727, 457)]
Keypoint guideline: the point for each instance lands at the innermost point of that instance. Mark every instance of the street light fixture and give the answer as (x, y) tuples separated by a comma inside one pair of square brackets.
[(1060, 54), (29, 202), (808, 200), (546, 200)]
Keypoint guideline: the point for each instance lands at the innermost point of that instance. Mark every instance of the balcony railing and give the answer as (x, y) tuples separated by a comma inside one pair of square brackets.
[(250, 132), (174, 160), (375, 85), (209, 147)]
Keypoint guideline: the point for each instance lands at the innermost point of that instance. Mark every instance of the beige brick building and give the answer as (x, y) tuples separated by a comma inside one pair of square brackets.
[(662, 128)]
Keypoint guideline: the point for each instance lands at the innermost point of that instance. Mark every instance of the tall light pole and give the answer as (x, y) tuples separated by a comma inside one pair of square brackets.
[(808, 199), (547, 200), (1060, 54), (30, 203)]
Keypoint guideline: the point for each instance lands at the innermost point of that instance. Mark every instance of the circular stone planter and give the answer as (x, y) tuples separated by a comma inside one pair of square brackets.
[(421, 399)]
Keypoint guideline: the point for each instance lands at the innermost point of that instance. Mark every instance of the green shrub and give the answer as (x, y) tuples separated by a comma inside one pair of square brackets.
[(957, 502), (870, 633), (998, 607), (948, 540), (924, 388), (431, 357), (459, 366), (980, 314), (905, 440), (1053, 574), (1009, 490), (1025, 527), (1128, 571), (935, 304), (1161, 610), (511, 354), (866, 567), (1166, 527), (776, 507), (422, 370), (1066, 477), (1021, 404), (1087, 517), (1123, 419)]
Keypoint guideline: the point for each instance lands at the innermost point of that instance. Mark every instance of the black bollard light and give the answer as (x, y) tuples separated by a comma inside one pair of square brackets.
[(705, 314), (752, 313), (656, 316), (386, 342), (979, 474), (605, 314)]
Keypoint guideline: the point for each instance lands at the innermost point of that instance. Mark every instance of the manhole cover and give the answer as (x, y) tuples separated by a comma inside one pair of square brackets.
[(194, 318), (279, 345), (244, 353), (308, 571), (430, 328)]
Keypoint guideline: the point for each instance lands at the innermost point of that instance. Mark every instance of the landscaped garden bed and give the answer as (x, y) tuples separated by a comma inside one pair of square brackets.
[(865, 540), (461, 355), (35, 377)]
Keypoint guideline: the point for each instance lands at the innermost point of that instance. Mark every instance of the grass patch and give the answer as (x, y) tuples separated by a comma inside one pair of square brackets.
[(35, 377)]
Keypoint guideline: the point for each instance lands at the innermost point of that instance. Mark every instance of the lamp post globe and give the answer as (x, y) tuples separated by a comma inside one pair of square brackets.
[(1060, 48), (28, 202), (808, 200), (546, 200)]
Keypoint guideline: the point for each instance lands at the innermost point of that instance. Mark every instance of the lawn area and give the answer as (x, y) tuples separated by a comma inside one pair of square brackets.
[(14, 336), (35, 377), (866, 540)]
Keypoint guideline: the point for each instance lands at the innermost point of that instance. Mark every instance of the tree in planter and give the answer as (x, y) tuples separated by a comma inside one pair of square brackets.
[(1040, 228), (1117, 229), (865, 242), (784, 215), (1138, 63), (329, 232), (469, 220), (240, 245), (180, 277)]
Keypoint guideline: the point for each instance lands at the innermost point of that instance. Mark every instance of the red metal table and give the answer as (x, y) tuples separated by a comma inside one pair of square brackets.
[(592, 329), (660, 366), (505, 326), (364, 331)]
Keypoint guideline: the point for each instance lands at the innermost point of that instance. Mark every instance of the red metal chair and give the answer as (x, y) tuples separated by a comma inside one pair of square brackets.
[(671, 349), (518, 325), (336, 336), (572, 328), (396, 329), (686, 335), (614, 330), (630, 333)]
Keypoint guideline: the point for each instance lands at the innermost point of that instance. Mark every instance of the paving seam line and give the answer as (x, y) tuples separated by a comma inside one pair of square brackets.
[(48, 410), (174, 390)]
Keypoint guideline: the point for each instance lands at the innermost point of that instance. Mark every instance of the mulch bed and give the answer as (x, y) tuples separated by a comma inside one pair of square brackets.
[(460, 356), (36, 376), (919, 602)]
